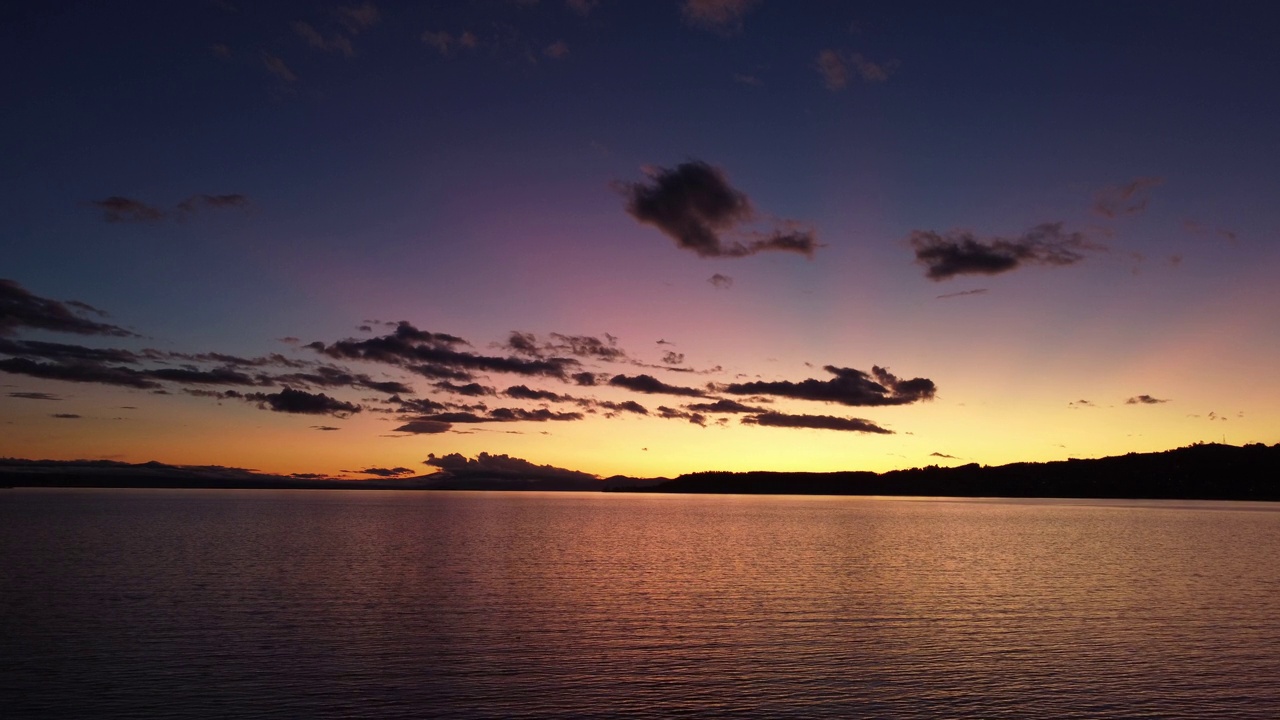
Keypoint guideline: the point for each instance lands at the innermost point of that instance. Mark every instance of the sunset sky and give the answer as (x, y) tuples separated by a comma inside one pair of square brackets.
[(637, 237)]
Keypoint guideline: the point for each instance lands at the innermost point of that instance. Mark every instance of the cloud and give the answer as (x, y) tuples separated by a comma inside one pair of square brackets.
[(583, 346), (720, 282), (22, 309), (337, 43), (582, 7), (694, 205), (213, 202), (501, 466), (848, 387), (65, 416), (724, 406), (34, 396), (445, 43), (383, 472), (960, 253), (79, 372), (1081, 404), (325, 428), (673, 358), (425, 427), (503, 415), (359, 17), (672, 414), (122, 209), (416, 349), (585, 379), (722, 16), (521, 392), (943, 455), (1129, 199), (1144, 400), (838, 67), (557, 50), (277, 67), (192, 376), (818, 422), (332, 377), (300, 402), (630, 406), (470, 389), (962, 293), (652, 385)]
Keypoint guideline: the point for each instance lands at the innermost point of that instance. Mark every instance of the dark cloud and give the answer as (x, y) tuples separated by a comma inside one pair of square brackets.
[(720, 282), (416, 349), (63, 352), (652, 385), (503, 466), (123, 209), (521, 392), (383, 472), (583, 346), (818, 422), (79, 372), (540, 415), (34, 396), (960, 252), (1144, 400), (421, 406), (334, 377), (21, 309), (65, 416), (1081, 404), (1128, 199), (962, 293), (613, 408), (943, 455), (192, 376), (470, 389), (694, 205), (585, 379), (848, 387), (300, 402), (673, 358), (213, 202), (425, 427), (674, 414), (325, 428), (721, 16), (724, 406)]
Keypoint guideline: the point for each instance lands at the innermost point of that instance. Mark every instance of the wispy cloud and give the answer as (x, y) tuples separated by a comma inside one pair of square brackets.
[(838, 68), (122, 209), (959, 252), (1144, 400), (19, 308), (277, 67), (1131, 198), (722, 16), (816, 422)]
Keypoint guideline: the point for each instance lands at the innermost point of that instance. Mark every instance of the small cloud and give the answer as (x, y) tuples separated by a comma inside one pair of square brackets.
[(1144, 400), (582, 7), (744, 79), (720, 282), (359, 17), (220, 50), (213, 202), (943, 455), (123, 209), (277, 67), (849, 387), (34, 396), (337, 43), (962, 293), (445, 43), (695, 205), (424, 427), (817, 422), (1129, 199), (301, 402), (65, 416), (557, 50), (959, 252), (673, 358), (724, 406), (837, 68), (325, 428), (651, 385), (1081, 404), (383, 472), (722, 16)]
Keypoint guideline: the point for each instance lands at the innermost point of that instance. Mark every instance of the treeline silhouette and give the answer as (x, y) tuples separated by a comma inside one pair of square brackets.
[(1197, 472)]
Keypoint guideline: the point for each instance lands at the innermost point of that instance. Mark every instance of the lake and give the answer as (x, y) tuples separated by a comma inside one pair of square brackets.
[(343, 604)]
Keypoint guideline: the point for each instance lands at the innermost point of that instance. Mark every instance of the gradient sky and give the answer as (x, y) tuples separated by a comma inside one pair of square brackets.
[(637, 237)]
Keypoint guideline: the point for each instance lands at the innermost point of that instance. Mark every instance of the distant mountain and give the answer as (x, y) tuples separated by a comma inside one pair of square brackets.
[(1201, 472)]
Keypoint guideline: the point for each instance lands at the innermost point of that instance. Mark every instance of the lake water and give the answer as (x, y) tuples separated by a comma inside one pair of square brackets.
[(331, 604)]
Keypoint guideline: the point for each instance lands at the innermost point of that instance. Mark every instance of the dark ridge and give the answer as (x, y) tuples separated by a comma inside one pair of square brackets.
[(1196, 472)]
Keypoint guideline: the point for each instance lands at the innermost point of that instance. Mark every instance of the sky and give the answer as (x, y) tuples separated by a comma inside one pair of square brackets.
[(640, 238)]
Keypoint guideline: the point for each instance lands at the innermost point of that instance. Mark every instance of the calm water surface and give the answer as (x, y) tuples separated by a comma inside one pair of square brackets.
[(256, 604)]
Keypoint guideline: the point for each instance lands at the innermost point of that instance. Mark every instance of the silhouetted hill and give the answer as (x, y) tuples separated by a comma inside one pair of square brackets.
[(1201, 472)]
